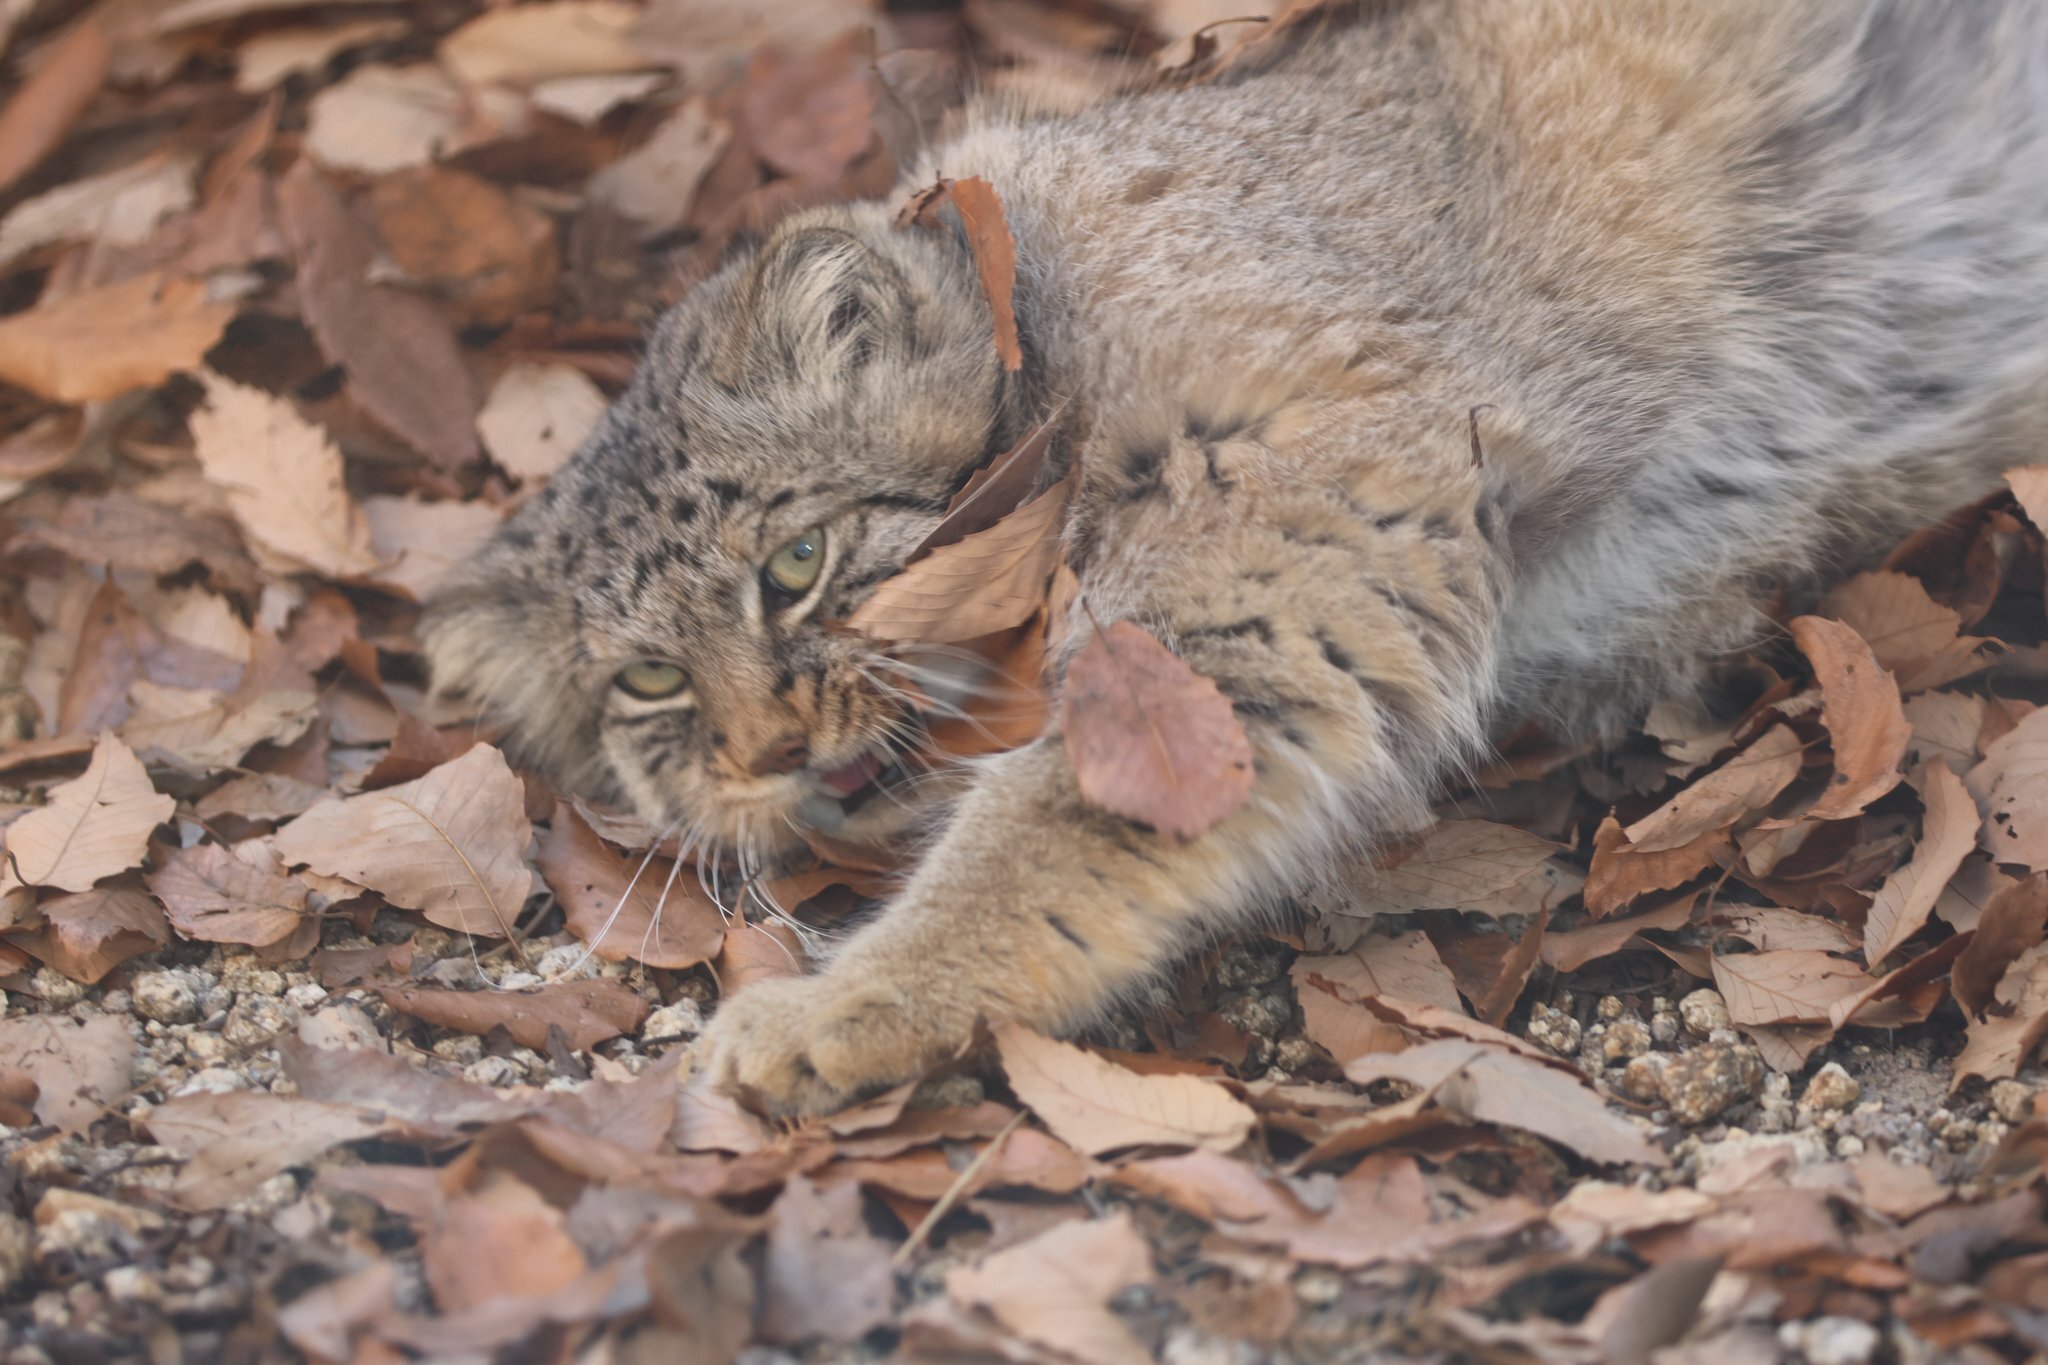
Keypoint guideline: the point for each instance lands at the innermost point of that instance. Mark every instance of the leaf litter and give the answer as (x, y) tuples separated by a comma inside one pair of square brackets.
[(1738, 1020)]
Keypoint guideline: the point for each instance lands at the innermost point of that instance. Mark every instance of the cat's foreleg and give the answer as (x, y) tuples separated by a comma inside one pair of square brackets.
[(1356, 647)]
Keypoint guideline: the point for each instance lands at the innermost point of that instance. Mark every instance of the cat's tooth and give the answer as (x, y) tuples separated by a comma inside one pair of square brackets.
[(821, 813)]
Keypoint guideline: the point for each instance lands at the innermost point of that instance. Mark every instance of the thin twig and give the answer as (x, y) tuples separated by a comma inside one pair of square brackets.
[(954, 1193)]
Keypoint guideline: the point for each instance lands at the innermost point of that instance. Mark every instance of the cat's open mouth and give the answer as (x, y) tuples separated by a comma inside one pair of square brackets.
[(846, 789)]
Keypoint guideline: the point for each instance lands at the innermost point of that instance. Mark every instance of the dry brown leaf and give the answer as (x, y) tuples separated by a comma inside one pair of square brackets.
[(201, 730), (487, 251), (1377, 1211), (234, 1141), (89, 933), (403, 363), (1945, 728), (2009, 1032), (2011, 788), (810, 115), (984, 583), (531, 43), (80, 1067), (1861, 709), (1785, 987), (44, 106), (451, 845), (216, 897), (588, 99), (587, 1012), (269, 59), (420, 543), (1948, 832), (1747, 782), (379, 119), (1454, 865), (1055, 1289), (824, 1274), (124, 531), (1619, 875), (1574, 948), (758, 951), (2012, 923), (655, 185), (283, 479), (1097, 1106), (1405, 966), (2030, 489), (1340, 1025), (498, 1241), (628, 908), (115, 208), (1768, 928), (1493, 1085), (536, 416), (1149, 738), (102, 342), (93, 826), (1911, 634), (995, 257)]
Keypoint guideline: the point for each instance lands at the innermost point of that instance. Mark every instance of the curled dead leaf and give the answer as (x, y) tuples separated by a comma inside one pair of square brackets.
[(1861, 709)]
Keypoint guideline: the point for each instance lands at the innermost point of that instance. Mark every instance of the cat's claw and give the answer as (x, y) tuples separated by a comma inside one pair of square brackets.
[(811, 1045)]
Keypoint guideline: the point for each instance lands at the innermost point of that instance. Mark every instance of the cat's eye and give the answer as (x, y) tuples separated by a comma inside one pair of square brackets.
[(792, 569), (651, 681)]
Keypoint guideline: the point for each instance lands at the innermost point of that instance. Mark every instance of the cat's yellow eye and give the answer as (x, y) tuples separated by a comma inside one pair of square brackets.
[(794, 567), (651, 681)]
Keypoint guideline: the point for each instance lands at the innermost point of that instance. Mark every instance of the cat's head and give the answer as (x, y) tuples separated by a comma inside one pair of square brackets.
[(659, 624)]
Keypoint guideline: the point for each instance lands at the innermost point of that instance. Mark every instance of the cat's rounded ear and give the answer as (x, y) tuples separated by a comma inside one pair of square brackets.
[(817, 304)]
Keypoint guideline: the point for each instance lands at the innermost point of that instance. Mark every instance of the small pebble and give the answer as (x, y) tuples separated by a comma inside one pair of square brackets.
[(305, 995), (1664, 1028), (518, 981), (131, 1284), (17, 1250), (1709, 1079), (207, 1049), (343, 1024), (1610, 1008), (1317, 1287), (567, 961), (1830, 1341), (256, 1019), (460, 1048), (1831, 1088), (214, 1080), (683, 1019), (170, 996), (56, 990), (1294, 1053), (1703, 1011), (1626, 1037), (1848, 1146), (1642, 1079), (1554, 1031), (1248, 963), (2012, 1101), (494, 1071), (1263, 1016)]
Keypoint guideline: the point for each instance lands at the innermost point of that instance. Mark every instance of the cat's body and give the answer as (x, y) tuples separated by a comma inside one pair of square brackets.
[(1739, 290)]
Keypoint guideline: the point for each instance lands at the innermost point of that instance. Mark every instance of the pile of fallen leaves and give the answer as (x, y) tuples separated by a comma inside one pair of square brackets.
[(326, 1025)]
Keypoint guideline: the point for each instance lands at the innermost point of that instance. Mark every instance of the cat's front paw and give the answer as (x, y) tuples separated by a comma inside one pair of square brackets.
[(810, 1045)]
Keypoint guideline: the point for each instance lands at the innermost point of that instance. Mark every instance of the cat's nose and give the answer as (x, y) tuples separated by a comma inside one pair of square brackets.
[(783, 755)]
